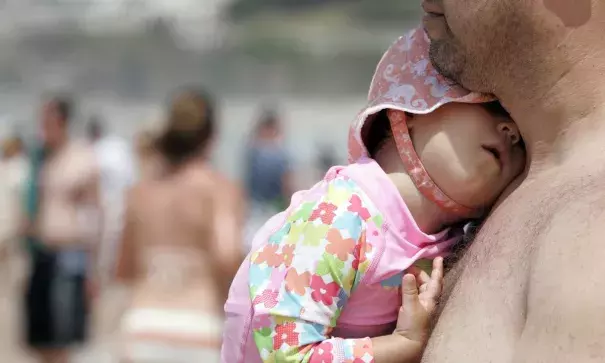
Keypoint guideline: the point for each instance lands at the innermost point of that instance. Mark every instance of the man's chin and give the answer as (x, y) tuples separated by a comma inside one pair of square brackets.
[(446, 59)]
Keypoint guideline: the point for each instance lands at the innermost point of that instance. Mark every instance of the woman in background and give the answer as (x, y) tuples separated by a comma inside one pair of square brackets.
[(147, 158), (181, 245)]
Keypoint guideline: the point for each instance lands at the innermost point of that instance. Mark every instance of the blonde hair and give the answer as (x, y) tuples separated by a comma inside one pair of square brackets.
[(189, 128)]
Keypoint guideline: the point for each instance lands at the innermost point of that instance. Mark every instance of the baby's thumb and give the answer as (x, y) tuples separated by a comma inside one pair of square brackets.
[(409, 292)]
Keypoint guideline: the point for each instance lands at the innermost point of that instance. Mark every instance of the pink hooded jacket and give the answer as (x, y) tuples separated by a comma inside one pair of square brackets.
[(324, 276)]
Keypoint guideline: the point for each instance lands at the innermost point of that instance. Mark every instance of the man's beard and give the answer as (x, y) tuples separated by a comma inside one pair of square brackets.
[(447, 59)]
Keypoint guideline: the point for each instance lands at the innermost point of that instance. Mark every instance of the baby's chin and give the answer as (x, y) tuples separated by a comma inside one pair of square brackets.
[(478, 193)]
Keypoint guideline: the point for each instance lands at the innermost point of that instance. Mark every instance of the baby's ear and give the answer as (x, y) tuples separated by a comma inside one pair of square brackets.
[(397, 116)]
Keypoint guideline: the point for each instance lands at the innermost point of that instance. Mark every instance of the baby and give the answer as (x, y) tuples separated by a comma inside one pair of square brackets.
[(325, 279)]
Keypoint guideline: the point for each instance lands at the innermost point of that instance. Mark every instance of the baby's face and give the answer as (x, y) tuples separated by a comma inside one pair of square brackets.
[(470, 153)]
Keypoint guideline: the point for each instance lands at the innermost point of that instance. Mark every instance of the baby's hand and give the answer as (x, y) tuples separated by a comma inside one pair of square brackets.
[(420, 294)]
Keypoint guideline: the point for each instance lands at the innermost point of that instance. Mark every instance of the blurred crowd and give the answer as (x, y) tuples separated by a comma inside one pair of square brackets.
[(120, 251)]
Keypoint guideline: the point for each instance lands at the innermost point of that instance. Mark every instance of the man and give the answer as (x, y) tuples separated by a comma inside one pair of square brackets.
[(116, 166), (531, 287), (64, 226), (268, 164)]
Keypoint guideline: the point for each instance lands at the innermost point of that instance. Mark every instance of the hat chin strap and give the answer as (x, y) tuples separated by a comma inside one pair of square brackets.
[(420, 176)]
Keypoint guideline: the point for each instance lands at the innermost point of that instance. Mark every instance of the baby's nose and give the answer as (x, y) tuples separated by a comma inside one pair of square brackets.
[(510, 131)]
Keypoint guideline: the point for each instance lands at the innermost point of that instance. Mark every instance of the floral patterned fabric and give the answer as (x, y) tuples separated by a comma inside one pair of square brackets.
[(324, 276), (297, 302)]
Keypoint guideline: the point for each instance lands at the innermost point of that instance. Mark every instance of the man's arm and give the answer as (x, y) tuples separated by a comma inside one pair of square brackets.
[(93, 204), (566, 294)]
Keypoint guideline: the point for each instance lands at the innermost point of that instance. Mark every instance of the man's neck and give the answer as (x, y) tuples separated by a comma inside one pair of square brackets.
[(561, 114)]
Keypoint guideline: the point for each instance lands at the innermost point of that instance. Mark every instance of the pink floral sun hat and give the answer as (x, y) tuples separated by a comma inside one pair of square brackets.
[(406, 81)]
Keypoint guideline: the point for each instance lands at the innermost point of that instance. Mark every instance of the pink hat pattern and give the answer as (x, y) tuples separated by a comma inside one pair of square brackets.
[(406, 81)]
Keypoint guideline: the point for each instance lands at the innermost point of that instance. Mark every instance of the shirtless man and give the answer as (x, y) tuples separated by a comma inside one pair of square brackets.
[(531, 288), (64, 228)]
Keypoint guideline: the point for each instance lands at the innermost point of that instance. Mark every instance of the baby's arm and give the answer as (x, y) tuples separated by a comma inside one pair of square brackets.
[(306, 286), (419, 299), (304, 292)]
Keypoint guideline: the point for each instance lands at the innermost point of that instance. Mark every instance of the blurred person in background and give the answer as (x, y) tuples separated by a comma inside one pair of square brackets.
[(268, 172), (148, 161), (116, 166), (326, 158), (62, 230), (13, 171), (181, 246)]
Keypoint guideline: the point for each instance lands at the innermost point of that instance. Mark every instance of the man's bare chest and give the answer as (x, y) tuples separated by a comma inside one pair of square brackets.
[(486, 292), (65, 175), (497, 261)]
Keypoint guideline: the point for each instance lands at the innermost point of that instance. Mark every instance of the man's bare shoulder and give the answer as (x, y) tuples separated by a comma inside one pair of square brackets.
[(566, 287), (575, 225), (573, 194)]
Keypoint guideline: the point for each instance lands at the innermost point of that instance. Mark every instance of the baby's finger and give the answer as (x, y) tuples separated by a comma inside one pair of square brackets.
[(437, 272), (423, 288), (436, 284), (433, 291), (409, 292), (421, 276)]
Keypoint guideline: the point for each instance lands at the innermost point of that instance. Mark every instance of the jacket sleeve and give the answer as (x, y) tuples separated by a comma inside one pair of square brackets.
[(302, 278)]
